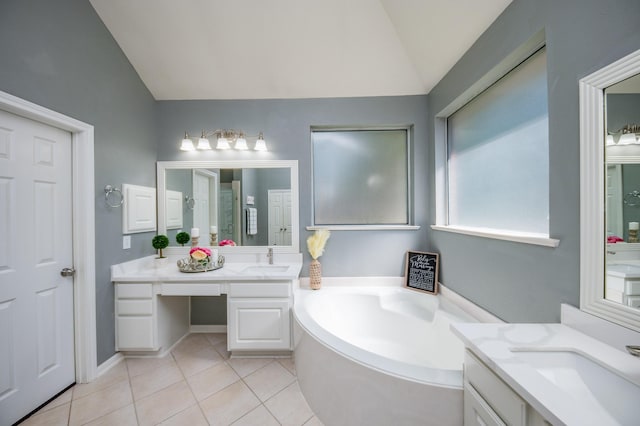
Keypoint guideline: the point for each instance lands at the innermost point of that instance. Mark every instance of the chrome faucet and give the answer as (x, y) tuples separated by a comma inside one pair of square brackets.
[(633, 350), (270, 255)]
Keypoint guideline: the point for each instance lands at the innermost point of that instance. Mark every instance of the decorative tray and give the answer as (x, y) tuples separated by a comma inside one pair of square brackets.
[(190, 265)]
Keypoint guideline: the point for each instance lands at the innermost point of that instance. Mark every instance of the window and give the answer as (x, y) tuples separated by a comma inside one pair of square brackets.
[(361, 177), (496, 158)]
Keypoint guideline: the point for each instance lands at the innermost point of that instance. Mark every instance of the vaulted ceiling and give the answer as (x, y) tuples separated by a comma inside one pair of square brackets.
[(283, 49)]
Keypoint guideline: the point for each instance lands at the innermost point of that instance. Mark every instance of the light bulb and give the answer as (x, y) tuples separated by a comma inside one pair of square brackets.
[(187, 144), (261, 145), (223, 143), (203, 143), (241, 143), (627, 139)]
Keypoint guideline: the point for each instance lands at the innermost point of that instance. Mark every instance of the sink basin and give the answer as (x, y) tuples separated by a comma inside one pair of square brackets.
[(262, 269), (588, 381)]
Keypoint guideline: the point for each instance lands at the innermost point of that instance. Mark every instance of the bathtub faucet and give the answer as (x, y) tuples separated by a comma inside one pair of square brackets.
[(270, 255)]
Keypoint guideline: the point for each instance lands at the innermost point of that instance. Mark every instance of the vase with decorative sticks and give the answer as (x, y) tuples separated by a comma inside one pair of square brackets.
[(315, 245)]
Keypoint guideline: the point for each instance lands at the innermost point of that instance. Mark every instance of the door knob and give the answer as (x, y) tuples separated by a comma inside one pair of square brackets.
[(67, 272)]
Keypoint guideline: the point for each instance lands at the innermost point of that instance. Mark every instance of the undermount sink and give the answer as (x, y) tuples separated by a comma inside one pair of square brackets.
[(585, 379), (261, 269)]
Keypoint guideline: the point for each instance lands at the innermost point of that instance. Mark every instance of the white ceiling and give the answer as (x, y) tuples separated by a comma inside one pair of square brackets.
[(262, 49)]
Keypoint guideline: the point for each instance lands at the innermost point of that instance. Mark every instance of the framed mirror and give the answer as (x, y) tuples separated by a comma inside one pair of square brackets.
[(609, 255), (237, 206)]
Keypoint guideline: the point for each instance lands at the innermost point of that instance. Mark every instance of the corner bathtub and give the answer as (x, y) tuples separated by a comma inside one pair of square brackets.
[(379, 355)]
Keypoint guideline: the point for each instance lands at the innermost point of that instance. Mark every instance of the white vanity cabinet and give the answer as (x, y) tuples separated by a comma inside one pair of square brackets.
[(490, 401), (623, 285), (153, 300), (259, 316), (135, 317)]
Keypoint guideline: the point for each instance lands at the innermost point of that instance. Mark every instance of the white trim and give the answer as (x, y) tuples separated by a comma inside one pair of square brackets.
[(517, 237), (103, 368), (592, 187), (84, 300), (292, 165), (364, 227), (508, 64), (207, 328)]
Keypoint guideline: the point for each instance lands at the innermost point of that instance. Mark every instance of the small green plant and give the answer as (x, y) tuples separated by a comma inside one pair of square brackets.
[(160, 242), (182, 238)]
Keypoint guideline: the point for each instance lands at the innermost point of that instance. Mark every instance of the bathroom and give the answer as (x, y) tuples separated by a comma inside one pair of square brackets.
[(66, 60)]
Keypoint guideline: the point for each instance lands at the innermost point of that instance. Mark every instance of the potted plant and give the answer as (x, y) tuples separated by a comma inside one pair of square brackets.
[(183, 238), (159, 243)]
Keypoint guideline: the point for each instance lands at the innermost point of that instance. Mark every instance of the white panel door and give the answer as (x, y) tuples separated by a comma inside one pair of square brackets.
[(36, 302), (204, 193), (279, 217)]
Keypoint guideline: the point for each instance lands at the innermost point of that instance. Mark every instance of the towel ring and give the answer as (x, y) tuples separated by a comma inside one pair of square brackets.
[(632, 199), (108, 190), (190, 202)]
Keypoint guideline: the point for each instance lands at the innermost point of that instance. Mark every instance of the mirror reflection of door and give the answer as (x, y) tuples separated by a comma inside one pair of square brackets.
[(205, 212), (225, 228), (229, 219), (279, 217), (614, 199)]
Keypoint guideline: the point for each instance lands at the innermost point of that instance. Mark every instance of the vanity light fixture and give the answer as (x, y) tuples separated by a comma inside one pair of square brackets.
[(224, 140), (187, 143), (628, 135)]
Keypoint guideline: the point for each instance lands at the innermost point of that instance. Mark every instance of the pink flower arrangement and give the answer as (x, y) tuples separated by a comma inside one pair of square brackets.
[(200, 253), (227, 243)]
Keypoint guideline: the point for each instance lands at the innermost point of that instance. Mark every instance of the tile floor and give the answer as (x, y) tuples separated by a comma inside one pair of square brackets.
[(197, 384)]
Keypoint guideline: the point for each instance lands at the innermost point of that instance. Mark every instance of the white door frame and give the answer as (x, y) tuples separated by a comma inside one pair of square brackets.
[(82, 164)]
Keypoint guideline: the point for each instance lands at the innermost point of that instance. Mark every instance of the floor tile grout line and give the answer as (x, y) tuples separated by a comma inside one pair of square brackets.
[(133, 401)]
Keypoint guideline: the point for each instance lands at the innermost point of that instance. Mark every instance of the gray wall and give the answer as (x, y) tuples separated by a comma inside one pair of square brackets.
[(517, 282), (622, 109), (286, 125), (58, 54)]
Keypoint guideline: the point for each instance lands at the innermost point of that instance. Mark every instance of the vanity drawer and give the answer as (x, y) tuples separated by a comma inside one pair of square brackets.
[(190, 289), (264, 289), (135, 307), (134, 291), (502, 399)]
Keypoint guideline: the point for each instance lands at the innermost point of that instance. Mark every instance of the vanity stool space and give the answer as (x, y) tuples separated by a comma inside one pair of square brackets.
[(152, 305)]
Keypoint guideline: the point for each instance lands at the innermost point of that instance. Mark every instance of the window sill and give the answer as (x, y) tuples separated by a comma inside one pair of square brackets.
[(364, 227), (518, 237)]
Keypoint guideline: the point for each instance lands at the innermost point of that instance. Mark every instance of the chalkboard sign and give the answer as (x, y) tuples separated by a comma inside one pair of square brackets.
[(421, 271)]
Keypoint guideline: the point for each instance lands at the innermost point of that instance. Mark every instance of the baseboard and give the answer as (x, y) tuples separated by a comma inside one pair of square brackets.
[(207, 328), (109, 364), (261, 354)]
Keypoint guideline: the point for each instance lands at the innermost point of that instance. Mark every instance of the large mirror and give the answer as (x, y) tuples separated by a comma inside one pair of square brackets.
[(241, 206), (610, 192), (622, 192)]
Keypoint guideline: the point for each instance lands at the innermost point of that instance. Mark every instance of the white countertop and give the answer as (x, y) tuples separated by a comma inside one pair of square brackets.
[(150, 269), (492, 343)]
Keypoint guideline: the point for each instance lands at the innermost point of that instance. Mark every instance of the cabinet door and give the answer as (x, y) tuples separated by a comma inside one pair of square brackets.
[(476, 410), (135, 333), (259, 324)]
